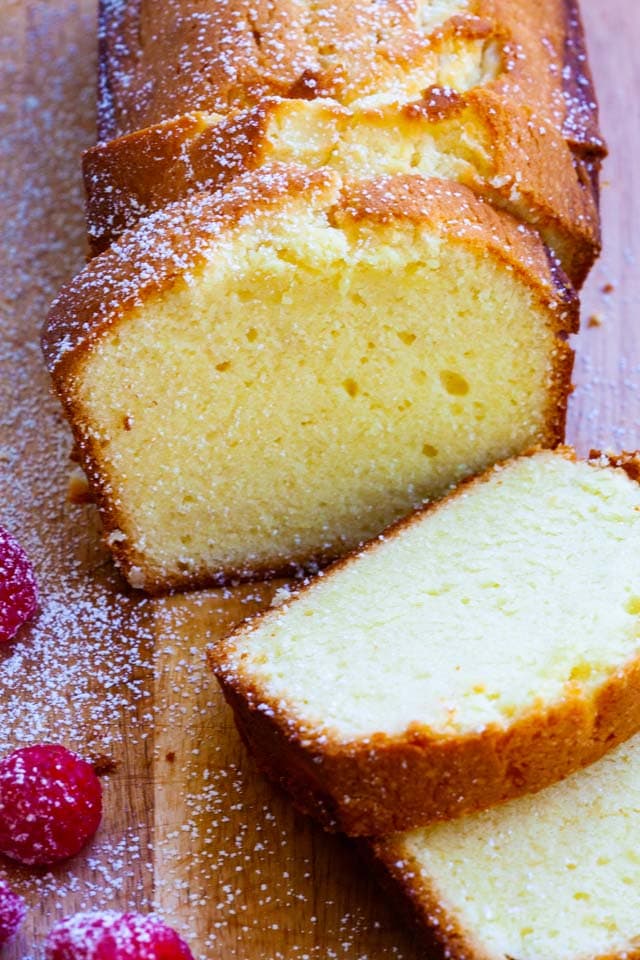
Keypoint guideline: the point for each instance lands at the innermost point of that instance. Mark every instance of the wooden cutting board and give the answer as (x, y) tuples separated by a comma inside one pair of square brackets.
[(190, 829)]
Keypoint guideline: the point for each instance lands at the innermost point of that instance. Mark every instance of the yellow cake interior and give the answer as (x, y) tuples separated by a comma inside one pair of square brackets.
[(362, 143), (307, 385)]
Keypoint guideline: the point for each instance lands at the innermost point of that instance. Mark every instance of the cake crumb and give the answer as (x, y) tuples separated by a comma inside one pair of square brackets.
[(78, 492), (103, 764)]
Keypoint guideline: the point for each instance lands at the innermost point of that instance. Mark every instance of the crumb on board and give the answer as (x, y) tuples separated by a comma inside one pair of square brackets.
[(102, 764), (78, 492)]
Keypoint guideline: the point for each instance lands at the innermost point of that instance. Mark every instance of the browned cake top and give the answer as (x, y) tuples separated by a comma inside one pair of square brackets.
[(170, 243), (159, 60)]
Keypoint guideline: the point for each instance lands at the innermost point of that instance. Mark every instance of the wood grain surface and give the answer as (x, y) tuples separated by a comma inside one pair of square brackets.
[(190, 829)]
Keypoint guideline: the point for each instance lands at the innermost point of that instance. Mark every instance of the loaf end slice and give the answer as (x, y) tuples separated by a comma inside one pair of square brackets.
[(263, 379), (483, 648), (553, 876)]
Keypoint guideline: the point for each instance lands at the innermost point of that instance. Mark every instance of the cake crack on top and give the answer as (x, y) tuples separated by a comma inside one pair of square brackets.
[(520, 119), (547, 877)]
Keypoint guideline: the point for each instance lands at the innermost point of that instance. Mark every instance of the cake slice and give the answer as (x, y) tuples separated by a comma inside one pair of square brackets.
[(480, 649), (261, 379), (158, 62), (555, 876), (500, 150)]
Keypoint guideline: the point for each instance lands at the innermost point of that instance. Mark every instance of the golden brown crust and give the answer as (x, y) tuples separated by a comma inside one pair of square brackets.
[(383, 785), (156, 63), (461, 216), (535, 177), (166, 247), (159, 62), (627, 461), (137, 174), (533, 91), (417, 897), (527, 167), (146, 261), (141, 172)]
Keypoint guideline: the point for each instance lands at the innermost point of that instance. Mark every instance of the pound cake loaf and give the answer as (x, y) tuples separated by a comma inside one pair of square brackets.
[(263, 378), (479, 650), (494, 94), (555, 876)]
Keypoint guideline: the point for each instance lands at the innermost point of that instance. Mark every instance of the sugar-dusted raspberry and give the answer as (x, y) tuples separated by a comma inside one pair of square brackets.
[(114, 936), (12, 912), (50, 804), (18, 591)]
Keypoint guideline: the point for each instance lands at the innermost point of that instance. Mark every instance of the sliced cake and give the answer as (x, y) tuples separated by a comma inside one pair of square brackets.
[(495, 94), (555, 876), (262, 379), (481, 649), (156, 63), (500, 150)]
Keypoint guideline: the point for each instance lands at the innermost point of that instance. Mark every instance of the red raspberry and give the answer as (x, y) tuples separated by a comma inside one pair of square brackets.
[(50, 804), (12, 913), (18, 591), (114, 936)]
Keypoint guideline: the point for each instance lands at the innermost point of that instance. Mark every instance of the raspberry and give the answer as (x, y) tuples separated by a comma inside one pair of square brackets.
[(12, 913), (114, 936), (50, 804), (18, 591)]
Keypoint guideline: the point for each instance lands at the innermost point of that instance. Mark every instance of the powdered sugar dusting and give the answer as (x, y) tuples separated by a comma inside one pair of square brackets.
[(102, 671), (219, 56), (165, 245)]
